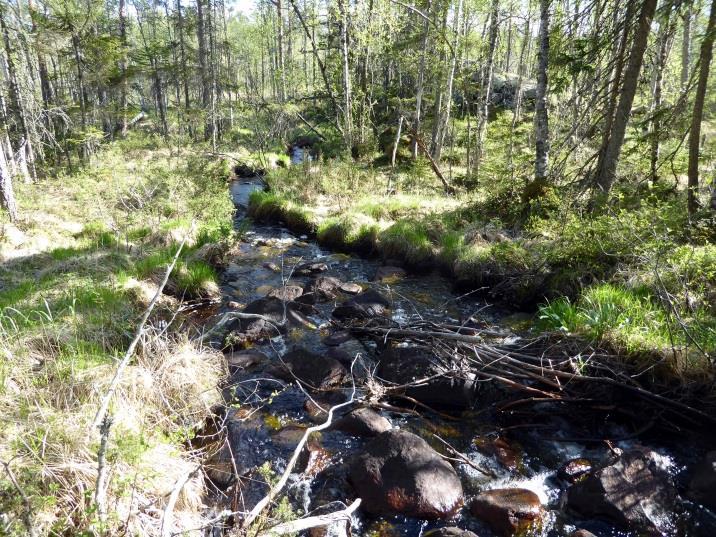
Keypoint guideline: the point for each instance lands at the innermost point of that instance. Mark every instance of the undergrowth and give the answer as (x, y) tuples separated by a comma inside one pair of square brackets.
[(77, 271)]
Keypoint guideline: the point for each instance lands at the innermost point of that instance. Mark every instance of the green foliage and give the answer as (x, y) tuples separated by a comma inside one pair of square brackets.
[(632, 320)]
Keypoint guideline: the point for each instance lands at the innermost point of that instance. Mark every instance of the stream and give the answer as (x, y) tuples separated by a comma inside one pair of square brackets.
[(267, 413)]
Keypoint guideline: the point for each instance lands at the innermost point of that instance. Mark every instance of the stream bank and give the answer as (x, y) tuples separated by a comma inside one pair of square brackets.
[(460, 465)]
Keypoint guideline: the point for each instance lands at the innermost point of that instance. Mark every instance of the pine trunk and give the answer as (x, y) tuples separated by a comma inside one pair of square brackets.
[(695, 133), (541, 116), (607, 168)]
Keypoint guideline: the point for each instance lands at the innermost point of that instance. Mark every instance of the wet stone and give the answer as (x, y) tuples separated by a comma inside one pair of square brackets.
[(398, 473), (574, 470), (365, 305), (507, 511), (582, 533), (245, 359), (500, 448), (272, 267), (336, 338), (312, 369), (631, 492), (450, 531), (309, 269), (362, 422), (312, 459), (276, 311), (388, 273), (322, 289), (287, 293), (351, 288), (404, 365)]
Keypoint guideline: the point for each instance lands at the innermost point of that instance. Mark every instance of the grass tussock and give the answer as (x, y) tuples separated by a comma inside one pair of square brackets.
[(77, 271)]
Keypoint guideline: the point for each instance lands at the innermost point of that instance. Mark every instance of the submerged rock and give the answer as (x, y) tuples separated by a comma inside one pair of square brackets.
[(403, 365), (398, 473), (322, 289), (388, 273), (451, 531), (245, 359), (582, 533), (703, 483), (312, 369), (278, 311), (362, 422), (501, 449), (351, 288), (337, 338), (287, 293), (311, 268), (365, 305), (631, 492), (508, 511)]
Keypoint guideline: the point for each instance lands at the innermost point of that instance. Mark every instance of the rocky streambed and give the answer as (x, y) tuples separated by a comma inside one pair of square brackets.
[(438, 458)]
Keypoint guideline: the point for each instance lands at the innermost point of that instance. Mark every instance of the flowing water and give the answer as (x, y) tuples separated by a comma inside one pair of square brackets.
[(529, 450)]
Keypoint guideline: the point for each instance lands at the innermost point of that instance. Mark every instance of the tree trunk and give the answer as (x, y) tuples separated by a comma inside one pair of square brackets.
[(659, 67), (487, 83), (21, 139), (607, 166), (695, 133), (444, 118), (420, 84), (541, 115), (686, 46), (7, 194), (202, 53), (280, 52), (124, 84), (347, 94)]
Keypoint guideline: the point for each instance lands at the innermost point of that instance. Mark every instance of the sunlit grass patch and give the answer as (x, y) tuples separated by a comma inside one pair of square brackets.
[(631, 320)]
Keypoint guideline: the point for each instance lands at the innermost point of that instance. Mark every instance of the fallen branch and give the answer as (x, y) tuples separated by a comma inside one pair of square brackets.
[(312, 521), (278, 487), (27, 506), (99, 417), (166, 529)]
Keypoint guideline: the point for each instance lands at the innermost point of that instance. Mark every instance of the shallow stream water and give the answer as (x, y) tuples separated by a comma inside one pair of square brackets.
[(524, 452)]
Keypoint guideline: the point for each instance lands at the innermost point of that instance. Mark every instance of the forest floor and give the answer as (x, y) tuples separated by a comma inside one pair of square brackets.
[(77, 272)]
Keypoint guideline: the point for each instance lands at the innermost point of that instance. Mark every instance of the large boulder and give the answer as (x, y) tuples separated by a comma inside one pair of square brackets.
[(362, 422), (404, 365), (398, 473), (507, 511), (631, 492), (703, 483), (365, 305), (316, 371)]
